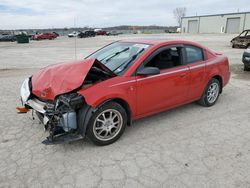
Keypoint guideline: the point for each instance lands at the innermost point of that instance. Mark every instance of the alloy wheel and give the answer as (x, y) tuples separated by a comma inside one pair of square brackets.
[(213, 92), (107, 124)]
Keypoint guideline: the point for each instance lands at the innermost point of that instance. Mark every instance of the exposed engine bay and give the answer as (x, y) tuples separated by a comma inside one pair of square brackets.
[(95, 75)]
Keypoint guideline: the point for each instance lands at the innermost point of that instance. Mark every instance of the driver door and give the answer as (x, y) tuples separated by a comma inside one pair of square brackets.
[(169, 88)]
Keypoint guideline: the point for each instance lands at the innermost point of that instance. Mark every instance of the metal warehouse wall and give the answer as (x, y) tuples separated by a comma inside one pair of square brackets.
[(247, 22), (223, 23)]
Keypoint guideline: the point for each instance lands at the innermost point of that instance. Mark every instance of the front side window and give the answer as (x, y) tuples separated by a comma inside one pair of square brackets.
[(165, 59), (120, 55), (248, 34), (194, 54), (243, 34)]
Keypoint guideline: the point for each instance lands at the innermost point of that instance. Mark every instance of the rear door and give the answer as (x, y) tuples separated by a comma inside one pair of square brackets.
[(195, 60)]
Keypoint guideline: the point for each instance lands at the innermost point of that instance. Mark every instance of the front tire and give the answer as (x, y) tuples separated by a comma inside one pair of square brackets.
[(211, 93), (107, 124)]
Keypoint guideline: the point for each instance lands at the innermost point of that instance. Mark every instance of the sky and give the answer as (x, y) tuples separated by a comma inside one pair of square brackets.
[(26, 14)]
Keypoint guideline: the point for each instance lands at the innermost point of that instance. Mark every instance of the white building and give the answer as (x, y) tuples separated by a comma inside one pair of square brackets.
[(217, 23)]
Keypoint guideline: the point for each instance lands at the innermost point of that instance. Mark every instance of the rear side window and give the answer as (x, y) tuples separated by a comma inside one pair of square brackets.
[(194, 54)]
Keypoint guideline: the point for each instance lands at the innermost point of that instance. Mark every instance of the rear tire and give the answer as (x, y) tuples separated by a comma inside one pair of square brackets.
[(107, 124), (211, 93), (246, 68)]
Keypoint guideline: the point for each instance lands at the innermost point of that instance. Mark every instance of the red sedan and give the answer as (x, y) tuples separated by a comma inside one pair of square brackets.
[(124, 81), (45, 36)]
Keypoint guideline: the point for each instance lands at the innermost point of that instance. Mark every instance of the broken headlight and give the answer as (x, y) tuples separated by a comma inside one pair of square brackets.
[(25, 90)]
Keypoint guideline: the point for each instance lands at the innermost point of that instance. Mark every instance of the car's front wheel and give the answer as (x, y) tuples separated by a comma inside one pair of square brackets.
[(211, 93), (107, 124)]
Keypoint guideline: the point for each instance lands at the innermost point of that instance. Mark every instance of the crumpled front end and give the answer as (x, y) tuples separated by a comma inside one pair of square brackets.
[(59, 117), (52, 94)]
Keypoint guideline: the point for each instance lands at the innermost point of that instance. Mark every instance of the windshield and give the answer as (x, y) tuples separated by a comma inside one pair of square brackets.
[(120, 55)]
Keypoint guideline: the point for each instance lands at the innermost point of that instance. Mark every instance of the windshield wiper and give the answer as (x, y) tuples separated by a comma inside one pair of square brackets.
[(114, 55), (125, 64)]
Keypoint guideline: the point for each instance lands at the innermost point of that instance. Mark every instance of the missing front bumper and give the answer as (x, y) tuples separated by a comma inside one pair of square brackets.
[(63, 139), (59, 118)]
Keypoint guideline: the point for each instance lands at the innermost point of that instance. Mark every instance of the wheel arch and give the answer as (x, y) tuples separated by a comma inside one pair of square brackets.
[(219, 78), (124, 104)]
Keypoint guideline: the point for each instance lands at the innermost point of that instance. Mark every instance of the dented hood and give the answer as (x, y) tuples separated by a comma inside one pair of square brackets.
[(58, 79)]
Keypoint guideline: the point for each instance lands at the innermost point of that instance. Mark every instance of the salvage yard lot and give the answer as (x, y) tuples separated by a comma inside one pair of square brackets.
[(190, 146)]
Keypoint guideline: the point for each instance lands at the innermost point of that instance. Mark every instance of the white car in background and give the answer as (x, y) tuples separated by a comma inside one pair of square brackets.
[(73, 34)]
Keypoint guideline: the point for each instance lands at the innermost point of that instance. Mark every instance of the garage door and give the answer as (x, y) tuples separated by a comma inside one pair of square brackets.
[(233, 25), (193, 26)]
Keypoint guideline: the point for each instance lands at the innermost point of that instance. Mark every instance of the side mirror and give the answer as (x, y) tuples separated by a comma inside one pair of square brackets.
[(147, 71)]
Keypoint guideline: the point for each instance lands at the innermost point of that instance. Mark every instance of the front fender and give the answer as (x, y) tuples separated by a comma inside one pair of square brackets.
[(96, 95)]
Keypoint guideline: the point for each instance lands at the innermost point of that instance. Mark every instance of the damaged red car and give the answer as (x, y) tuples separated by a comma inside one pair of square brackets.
[(124, 81)]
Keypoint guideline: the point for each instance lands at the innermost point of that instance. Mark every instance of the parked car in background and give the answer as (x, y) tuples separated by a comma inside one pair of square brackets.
[(112, 33), (124, 81), (241, 41), (178, 30), (56, 33), (44, 36), (7, 38), (87, 33), (73, 34), (246, 59), (31, 36), (170, 31), (101, 32), (5, 34)]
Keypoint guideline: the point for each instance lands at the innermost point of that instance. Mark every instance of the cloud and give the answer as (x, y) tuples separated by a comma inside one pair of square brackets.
[(19, 14)]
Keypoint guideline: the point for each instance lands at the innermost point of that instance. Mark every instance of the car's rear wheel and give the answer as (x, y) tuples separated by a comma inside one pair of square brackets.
[(211, 93), (107, 124), (246, 68)]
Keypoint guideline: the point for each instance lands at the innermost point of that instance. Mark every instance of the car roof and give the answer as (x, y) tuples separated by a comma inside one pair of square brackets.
[(161, 41)]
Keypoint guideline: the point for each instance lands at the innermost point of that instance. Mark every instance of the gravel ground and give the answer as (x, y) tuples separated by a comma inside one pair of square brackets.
[(190, 146)]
